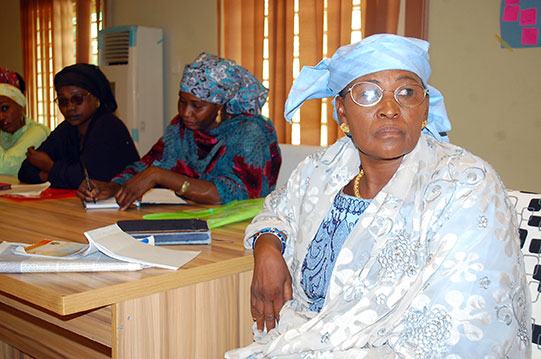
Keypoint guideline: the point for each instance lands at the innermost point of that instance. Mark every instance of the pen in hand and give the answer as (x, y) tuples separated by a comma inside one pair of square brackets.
[(87, 178)]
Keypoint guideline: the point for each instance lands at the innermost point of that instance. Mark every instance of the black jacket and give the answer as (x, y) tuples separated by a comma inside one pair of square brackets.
[(107, 148)]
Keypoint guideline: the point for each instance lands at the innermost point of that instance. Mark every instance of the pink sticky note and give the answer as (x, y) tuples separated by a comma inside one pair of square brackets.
[(529, 36), (509, 2), (510, 13), (528, 17)]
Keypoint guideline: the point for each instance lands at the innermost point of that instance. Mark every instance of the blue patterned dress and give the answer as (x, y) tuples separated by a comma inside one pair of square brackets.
[(323, 251), (241, 156)]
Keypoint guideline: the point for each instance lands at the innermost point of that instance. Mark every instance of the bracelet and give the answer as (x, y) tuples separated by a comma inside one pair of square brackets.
[(183, 188), (278, 233)]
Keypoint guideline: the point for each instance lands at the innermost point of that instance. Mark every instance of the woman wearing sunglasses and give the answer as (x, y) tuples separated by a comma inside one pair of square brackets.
[(390, 243), (90, 136)]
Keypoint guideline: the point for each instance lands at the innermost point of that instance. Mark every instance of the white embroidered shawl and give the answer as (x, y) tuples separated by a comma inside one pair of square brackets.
[(433, 268)]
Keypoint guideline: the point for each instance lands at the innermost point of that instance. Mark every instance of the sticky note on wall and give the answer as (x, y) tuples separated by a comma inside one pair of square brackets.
[(510, 13), (529, 36), (528, 17)]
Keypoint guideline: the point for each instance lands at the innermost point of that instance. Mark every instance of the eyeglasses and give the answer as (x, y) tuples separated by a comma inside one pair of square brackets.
[(75, 100), (368, 94)]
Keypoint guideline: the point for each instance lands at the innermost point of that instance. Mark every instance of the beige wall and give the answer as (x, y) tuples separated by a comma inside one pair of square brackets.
[(190, 27), (10, 36), (492, 94)]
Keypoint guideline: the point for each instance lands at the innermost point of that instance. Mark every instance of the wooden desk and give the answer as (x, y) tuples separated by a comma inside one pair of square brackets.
[(199, 311)]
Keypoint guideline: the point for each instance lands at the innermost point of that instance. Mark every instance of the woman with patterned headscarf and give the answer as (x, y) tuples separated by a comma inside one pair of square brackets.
[(90, 138), (17, 131), (390, 243), (219, 147)]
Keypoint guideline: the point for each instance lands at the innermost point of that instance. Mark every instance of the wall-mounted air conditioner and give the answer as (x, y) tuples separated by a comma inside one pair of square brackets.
[(132, 59)]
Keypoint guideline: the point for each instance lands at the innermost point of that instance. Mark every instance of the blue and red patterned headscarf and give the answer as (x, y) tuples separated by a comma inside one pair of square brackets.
[(221, 81), (10, 86)]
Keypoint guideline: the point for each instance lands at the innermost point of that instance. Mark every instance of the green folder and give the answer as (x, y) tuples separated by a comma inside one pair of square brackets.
[(235, 211)]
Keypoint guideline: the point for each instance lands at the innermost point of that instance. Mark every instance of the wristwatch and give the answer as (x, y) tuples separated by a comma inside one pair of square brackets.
[(183, 189)]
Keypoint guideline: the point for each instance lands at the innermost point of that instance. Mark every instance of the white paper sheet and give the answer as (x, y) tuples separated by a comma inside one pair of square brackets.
[(26, 190), (112, 241)]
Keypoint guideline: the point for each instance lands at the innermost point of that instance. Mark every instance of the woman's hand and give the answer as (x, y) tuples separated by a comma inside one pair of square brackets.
[(100, 190), (135, 187), (39, 159), (271, 282)]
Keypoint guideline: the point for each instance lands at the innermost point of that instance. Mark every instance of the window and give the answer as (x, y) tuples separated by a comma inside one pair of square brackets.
[(50, 43), (355, 35), (275, 39)]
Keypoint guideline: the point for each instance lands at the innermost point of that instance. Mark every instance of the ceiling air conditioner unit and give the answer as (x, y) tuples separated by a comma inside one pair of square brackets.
[(132, 59)]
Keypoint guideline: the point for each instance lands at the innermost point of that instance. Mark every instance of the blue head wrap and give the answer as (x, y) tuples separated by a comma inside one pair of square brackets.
[(222, 81), (372, 54)]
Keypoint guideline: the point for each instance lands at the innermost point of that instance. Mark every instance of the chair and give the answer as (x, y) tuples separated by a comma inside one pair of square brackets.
[(291, 156), (528, 206)]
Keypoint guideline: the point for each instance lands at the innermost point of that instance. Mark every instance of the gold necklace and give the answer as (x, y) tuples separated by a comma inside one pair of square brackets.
[(356, 184)]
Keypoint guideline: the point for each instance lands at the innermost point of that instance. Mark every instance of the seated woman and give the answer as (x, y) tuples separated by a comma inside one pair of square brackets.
[(390, 243), (91, 135), (17, 131), (219, 147)]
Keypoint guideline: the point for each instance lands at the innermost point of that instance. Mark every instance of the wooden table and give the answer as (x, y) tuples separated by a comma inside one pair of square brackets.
[(199, 311)]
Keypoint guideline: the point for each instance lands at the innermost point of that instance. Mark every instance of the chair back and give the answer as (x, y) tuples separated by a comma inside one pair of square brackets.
[(528, 206), (292, 155)]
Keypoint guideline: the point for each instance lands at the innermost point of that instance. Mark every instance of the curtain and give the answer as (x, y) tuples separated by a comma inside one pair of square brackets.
[(48, 46), (380, 16), (47, 34), (417, 19), (243, 21), (281, 15), (83, 11), (242, 34)]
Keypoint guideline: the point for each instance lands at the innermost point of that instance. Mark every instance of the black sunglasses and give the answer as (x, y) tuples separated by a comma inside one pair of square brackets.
[(75, 100)]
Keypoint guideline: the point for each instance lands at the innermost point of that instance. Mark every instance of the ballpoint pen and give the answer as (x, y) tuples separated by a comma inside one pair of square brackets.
[(87, 178)]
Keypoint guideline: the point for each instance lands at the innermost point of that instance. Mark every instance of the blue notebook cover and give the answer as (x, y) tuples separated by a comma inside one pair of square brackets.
[(168, 231)]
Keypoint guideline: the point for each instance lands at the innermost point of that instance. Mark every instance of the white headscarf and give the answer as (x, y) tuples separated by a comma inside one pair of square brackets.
[(10, 87)]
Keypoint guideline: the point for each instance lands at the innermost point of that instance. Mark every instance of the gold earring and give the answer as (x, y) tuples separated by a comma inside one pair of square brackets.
[(98, 103), (219, 117), (425, 122), (344, 127)]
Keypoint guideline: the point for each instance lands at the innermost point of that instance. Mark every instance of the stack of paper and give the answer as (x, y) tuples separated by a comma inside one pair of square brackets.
[(109, 249), (13, 259)]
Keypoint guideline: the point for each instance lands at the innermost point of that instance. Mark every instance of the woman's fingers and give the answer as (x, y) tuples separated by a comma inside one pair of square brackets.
[(257, 308), (269, 315), (124, 198)]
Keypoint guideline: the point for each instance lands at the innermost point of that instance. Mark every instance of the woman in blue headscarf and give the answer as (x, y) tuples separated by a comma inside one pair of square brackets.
[(219, 147), (391, 243)]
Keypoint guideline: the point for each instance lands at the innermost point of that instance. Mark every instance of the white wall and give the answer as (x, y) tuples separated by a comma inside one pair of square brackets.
[(492, 94)]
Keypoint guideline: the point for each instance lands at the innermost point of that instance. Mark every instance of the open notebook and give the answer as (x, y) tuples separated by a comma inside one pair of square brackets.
[(152, 196)]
